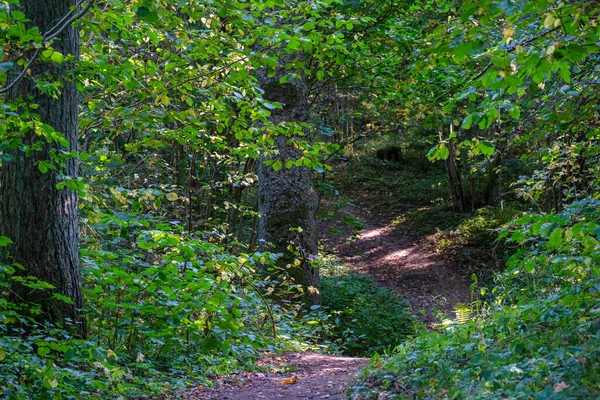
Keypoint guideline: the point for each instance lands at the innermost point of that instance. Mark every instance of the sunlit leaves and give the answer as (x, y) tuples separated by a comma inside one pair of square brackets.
[(438, 152)]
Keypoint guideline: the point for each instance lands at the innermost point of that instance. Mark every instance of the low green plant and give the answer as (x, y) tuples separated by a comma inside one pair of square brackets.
[(164, 310), (364, 318)]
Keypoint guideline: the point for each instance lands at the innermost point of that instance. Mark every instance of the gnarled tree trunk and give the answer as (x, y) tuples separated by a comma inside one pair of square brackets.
[(42, 220)]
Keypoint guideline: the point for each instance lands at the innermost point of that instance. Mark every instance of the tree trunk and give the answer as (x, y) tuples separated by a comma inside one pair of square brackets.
[(286, 198), (459, 203), (40, 219)]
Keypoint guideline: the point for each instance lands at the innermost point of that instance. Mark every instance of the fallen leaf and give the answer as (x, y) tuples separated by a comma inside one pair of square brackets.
[(560, 386), (291, 381)]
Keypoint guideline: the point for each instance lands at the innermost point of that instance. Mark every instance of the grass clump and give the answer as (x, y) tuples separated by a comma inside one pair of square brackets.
[(365, 318)]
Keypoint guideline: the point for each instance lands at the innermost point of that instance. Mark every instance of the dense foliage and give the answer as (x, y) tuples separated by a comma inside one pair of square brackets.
[(500, 95)]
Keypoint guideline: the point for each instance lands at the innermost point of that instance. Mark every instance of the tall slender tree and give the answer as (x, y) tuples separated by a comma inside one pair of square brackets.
[(40, 218)]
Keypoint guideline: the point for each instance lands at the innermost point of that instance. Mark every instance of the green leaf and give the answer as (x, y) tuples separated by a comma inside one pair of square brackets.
[(53, 56), (568, 300), (438, 152), (145, 14), (454, 393), (18, 15), (486, 148), (7, 66), (546, 228), (565, 73), (277, 165), (42, 351), (443, 152), (468, 121), (293, 44), (556, 238), (63, 298)]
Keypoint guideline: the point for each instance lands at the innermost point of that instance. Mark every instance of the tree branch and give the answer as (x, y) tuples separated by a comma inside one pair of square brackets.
[(52, 33)]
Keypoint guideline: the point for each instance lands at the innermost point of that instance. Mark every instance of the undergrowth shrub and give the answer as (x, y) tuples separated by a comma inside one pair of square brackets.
[(538, 336), (364, 317), (164, 310)]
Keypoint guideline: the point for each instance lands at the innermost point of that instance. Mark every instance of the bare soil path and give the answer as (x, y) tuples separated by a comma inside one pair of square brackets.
[(293, 376)]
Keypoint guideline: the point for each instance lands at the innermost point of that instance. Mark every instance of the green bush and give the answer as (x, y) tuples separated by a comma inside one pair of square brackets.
[(164, 311), (365, 318)]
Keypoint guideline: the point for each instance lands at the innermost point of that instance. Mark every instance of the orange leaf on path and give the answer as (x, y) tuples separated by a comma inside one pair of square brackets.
[(291, 380)]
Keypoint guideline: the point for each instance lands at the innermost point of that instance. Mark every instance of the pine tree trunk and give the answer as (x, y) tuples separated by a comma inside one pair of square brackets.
[(40, 219), (286, 198)]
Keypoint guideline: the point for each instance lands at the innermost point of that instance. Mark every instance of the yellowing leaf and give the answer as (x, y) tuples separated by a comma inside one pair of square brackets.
[(172, 196), (549, 21), (509, 31), (557, 23)]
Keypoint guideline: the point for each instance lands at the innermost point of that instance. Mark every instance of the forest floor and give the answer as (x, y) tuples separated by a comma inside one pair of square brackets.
[(394, 260)]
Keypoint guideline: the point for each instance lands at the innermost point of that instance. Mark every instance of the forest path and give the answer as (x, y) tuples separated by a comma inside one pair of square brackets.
[(395, 261), (398, 262), (291, 376)]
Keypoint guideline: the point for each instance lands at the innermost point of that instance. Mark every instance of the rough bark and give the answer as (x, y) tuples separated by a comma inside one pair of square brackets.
[(286, 198), (40, 219)]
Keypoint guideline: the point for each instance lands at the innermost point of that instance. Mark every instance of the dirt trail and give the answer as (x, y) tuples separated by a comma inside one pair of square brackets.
[(393, 259), (400, 263), (295, 376)]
